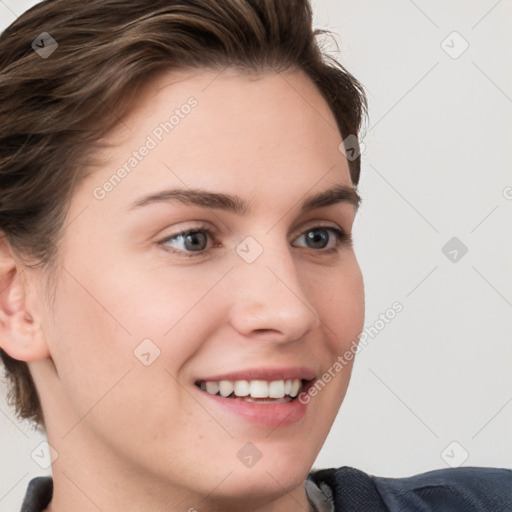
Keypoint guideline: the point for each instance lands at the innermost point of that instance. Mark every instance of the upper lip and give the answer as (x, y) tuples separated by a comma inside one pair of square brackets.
[(268, 374)]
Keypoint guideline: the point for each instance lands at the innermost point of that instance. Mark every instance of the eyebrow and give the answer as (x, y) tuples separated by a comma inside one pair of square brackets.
[(237, 205)]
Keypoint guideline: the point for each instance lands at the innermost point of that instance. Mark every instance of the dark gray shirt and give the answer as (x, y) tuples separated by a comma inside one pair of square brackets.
[(467, 489)]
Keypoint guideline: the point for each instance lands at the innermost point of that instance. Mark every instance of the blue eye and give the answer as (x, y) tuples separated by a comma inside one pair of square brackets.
[(196, 240), (193, 240), (319, 238)]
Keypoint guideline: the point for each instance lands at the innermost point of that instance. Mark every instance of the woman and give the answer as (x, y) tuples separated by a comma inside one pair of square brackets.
[(177, 271)]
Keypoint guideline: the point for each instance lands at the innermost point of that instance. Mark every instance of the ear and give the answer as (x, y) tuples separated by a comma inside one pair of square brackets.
[(21, 336)]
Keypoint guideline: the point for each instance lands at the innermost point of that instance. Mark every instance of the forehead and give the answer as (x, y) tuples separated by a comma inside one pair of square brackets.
[(227, 131)]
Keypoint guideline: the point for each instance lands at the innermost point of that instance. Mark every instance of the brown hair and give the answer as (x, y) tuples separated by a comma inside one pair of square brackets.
[(54, 108)]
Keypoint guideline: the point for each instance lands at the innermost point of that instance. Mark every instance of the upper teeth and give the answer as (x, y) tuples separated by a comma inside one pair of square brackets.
[(253, 388)]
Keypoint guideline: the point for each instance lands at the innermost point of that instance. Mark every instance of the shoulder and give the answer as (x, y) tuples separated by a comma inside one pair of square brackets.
[(472, 489), (38, 495)]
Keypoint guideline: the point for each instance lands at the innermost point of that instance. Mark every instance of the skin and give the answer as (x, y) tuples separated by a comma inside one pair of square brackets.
[(134, 437)]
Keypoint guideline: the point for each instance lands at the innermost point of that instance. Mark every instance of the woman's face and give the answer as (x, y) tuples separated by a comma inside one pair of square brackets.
[(262, 291)]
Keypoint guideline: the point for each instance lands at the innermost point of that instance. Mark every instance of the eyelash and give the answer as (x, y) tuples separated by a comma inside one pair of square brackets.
[(341, 239)]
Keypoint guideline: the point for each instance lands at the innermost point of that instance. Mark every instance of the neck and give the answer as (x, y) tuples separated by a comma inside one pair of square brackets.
[(84, 481), (81, 496)]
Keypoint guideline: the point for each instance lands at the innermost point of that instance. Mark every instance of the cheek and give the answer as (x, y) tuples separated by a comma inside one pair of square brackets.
[(100, 367), (90, 348), (340, 305), (352, 305), (339, 300), (105, 322)]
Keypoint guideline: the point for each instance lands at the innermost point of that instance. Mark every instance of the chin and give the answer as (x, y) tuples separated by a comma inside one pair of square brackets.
[(260, 484), (280, 469)]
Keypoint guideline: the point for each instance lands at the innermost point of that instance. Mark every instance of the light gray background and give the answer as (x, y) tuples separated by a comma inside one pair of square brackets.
[(436, 165)]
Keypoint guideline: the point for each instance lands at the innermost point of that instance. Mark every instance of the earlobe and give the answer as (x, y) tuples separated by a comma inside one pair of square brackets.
[(21, 336), (22, 339)]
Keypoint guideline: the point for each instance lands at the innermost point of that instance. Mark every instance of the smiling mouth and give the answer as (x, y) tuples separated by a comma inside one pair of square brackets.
[(255, 391)]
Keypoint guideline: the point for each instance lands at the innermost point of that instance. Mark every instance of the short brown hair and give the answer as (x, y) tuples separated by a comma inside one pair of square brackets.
[(55, 108)]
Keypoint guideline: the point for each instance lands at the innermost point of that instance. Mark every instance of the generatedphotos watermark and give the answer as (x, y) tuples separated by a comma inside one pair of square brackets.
[(343, 360), (157, 135)]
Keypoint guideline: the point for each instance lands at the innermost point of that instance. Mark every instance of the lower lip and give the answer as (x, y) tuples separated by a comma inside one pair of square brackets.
[(266, 415)]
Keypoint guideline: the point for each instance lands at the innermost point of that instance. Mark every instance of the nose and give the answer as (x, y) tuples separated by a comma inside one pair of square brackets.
[(269, 300)]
